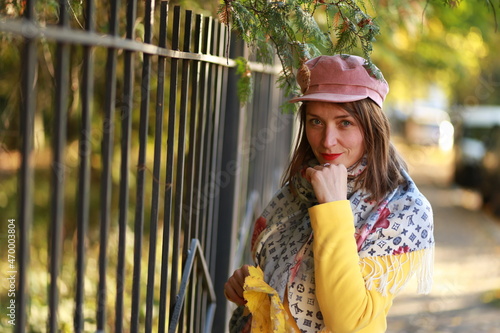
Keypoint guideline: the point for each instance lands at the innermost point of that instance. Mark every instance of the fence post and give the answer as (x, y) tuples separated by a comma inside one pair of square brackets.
[(26, 171), (226, 228)]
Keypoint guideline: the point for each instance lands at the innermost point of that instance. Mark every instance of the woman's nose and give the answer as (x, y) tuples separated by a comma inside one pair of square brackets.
[(330, 137)]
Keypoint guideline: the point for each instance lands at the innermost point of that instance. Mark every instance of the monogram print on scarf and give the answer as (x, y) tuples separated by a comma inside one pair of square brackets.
[(366, 230)]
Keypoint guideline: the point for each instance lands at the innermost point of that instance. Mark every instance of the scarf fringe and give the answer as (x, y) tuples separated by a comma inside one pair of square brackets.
[(426, 272), (387, 275)]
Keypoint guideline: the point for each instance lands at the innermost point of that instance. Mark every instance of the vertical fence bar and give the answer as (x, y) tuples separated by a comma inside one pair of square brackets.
[(192, 166), (183, 216), (169, 201), (26, 121), (84, 170), (218, 149), (230, 195), (270, 167), (58, 169), (203, 200), (141, 169), (163, 319), (270, 170), (107, 159), (211, 133), (165, 294), (257, 123), (186, 64), (153, 228), (196, 129), (126, 129), (264, 120), (219, 114), (200, 198)]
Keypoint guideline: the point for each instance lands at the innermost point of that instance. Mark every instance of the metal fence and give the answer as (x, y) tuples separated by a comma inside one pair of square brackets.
[(139, 208)]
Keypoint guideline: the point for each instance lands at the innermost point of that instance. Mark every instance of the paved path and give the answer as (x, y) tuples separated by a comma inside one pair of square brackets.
[(466, 293)]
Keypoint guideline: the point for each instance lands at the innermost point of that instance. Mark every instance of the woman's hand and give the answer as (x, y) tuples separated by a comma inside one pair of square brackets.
[(329, 182), (233, 289)]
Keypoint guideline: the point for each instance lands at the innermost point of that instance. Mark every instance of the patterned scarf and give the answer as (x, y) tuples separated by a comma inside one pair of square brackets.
[(282, 241)]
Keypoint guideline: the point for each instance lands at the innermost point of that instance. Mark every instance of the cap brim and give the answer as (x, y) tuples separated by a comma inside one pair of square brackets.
[(328, 97)]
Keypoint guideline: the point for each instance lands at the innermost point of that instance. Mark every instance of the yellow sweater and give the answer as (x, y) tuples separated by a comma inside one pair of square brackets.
[(347, 304)]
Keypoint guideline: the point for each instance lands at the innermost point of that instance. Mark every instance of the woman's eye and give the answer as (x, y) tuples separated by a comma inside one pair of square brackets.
[(346, 123), (315, 122)]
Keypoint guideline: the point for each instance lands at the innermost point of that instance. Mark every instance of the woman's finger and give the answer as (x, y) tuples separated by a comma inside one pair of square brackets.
[(233, 288), (232, 295)]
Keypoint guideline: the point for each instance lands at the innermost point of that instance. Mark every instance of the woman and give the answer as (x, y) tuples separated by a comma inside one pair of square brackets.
[(349, 227)]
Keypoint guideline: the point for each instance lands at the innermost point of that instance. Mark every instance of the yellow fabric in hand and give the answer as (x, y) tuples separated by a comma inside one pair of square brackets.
[(268, 313)]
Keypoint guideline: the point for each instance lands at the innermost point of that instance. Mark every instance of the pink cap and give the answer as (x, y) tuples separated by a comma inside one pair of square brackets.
[(340, 79)]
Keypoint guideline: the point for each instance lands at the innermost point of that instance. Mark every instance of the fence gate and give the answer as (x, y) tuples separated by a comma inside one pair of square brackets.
[(130, 174)]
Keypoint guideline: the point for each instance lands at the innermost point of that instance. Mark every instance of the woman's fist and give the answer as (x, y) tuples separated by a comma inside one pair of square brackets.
[(329, 182), (233, 289)]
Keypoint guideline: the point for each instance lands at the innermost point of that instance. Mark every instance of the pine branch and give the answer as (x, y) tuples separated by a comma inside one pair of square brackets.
[(288, 29)]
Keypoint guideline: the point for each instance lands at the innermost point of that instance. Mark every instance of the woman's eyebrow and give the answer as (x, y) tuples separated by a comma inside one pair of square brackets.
[(343, 116)]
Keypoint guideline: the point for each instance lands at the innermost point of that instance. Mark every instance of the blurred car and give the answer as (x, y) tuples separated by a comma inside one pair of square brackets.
[(472, 132), (428, 126), (490, 168)]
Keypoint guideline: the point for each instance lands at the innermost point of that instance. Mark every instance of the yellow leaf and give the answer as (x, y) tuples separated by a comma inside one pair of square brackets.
[(268, 313)]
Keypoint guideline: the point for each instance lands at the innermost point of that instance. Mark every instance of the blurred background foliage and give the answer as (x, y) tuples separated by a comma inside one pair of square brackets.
[(426, 48), (423, 44)]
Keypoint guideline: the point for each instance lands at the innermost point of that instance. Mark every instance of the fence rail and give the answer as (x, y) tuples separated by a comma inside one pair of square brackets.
[(141, 227)]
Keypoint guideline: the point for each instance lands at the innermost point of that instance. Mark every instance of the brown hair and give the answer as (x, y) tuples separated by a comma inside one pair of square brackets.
[(382, 173)]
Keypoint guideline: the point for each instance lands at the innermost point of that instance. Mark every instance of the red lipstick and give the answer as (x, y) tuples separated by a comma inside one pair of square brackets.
[(330, 157)]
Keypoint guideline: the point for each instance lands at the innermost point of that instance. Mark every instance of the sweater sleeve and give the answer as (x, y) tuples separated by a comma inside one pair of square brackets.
[(341, 277)]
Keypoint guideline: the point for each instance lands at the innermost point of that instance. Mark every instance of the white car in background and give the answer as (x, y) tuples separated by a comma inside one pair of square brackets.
[(473, 129)]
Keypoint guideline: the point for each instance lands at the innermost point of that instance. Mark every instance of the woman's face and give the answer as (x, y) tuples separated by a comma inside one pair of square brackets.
[(333, 134)]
